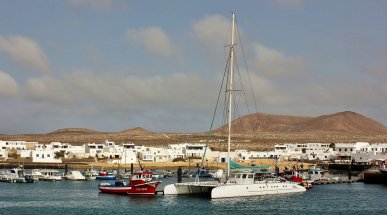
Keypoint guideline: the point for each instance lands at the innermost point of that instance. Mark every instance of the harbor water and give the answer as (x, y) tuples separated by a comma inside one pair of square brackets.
[(69, 197)]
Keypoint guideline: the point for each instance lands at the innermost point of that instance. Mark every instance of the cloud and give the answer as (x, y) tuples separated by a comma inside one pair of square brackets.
[(84, 88), (212, 31), (154, 40), (25, 52), (93, 4), (8, 85), (273, 63)]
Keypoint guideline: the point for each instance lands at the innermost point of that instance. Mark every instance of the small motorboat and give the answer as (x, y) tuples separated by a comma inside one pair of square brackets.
[(203, 173), (140, 183), (105, 175), (17, 175), (308, 184), (90, 175), (36, 174), (51, 175), (75, 176)]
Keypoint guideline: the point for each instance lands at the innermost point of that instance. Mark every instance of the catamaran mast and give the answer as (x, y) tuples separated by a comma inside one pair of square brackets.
[(230, 93)]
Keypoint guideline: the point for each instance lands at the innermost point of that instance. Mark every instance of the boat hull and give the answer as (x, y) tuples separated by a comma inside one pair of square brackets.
[(109, 177), (216, 190), (188, 188), (145, 189), (241, 190)]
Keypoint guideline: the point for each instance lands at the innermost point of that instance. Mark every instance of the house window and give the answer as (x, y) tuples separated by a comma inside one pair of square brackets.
[(37, 155), (48, 155)]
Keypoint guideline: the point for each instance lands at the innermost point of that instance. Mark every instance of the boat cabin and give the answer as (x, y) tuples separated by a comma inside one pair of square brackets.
[(242, 178), (141, 177), (18, 172), (316, 173)]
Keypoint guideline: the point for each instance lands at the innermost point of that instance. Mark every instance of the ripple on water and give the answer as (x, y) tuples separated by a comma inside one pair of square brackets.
[(84, 198)]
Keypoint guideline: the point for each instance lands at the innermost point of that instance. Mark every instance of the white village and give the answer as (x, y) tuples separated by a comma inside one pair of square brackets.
[(127, 153)]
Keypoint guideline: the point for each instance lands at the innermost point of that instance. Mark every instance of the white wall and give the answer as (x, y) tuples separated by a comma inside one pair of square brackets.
[(44, 156)]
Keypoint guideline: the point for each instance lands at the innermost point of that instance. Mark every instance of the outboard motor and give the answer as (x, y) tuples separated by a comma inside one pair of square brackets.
[(218, 175), (29, 179)]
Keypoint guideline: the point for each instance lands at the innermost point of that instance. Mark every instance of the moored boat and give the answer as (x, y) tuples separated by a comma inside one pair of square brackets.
[(90, 174), (50, 175), (203, 173), (105, 175), (17, 175), (140, 183), (75, 176)]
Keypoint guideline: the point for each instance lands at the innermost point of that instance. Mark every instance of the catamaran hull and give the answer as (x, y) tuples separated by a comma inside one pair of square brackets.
[(216, 191), (187, 188), (229, 191)]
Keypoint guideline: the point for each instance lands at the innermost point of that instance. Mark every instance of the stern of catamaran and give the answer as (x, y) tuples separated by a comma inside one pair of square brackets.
[(191, 188)]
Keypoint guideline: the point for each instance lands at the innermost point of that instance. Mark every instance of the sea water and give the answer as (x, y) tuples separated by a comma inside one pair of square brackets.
[(83, 197)]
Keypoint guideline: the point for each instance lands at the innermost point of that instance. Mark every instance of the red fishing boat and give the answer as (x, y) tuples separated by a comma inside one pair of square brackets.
[(299, 176), (140, 183)]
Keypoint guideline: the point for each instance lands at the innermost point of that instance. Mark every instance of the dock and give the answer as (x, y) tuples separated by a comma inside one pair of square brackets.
[(339, 181)]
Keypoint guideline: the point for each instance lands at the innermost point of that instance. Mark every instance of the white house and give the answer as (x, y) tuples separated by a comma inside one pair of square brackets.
[(17, 145), (154, 154), (25, 153), (176, 151), (349, 148), (264, 155), (126, 157), (94, 149), (306, 151), (41, 146), (3, 154), (370, 153), (195, 149), (44, 156), (223, 157)]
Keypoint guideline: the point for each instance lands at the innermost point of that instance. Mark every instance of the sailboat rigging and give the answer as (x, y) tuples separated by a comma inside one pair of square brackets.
[(236, 184)]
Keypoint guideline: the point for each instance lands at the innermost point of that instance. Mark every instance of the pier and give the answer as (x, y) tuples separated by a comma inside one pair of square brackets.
[(374, 176), (340, 181)]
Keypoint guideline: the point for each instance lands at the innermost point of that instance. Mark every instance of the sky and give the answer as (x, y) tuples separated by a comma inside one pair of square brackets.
[(111, 65)]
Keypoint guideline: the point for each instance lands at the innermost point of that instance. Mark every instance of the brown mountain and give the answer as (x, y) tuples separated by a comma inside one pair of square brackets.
[(265, 123), (342, 122), (349, 122)]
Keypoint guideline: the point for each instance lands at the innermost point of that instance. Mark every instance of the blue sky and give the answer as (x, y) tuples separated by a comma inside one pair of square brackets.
[(111, 65)]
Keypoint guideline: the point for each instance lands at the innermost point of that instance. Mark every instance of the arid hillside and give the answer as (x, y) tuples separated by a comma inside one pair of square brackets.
[(255, 131), (342, 122)]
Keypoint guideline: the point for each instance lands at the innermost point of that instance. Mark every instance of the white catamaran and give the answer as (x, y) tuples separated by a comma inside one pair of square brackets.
[(236, 184)]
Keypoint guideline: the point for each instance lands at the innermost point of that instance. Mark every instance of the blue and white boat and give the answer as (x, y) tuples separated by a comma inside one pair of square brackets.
[(105, 175)]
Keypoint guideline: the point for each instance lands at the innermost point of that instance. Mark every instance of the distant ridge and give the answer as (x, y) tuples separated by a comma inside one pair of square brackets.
[(342, 122), (136, 131), (72, 130)]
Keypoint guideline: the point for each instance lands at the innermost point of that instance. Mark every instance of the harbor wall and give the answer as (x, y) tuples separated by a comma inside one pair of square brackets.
[(374, 177)]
